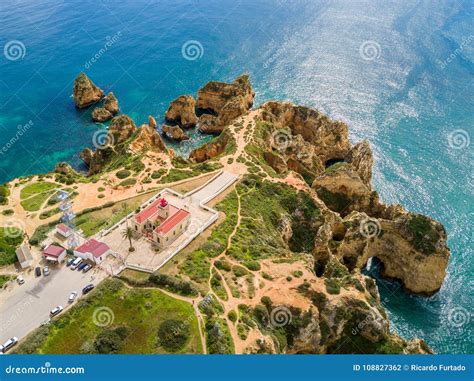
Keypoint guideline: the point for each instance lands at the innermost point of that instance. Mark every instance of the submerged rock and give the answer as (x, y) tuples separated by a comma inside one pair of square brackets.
[(182, 112), (85, 92)]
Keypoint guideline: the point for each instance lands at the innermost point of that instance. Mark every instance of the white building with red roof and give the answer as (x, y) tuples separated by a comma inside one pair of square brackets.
[(161, 222), (63, 230), (54, 253), (93, 250)]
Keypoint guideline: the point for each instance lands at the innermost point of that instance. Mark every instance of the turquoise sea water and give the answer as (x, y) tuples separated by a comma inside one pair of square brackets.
[(400, 73)]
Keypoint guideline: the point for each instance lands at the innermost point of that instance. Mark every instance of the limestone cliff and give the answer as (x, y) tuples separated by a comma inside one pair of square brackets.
[(182, 112), (174, 132), (121, 128), (85, 92), (148, 139), (225, 101)]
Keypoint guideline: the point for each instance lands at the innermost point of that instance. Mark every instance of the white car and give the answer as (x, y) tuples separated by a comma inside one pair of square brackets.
[(55, 311), (9, 343), (72, 297), (46, 271), (20, 279)]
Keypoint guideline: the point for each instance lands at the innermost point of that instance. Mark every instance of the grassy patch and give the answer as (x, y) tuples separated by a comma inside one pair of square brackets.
[(4, 193), (5, 278), (34, 203), (136, 316), (10, 238), (35, 188)]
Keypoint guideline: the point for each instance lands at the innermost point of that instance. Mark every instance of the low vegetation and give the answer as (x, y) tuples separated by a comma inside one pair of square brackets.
[(10, 238), (133, 321)]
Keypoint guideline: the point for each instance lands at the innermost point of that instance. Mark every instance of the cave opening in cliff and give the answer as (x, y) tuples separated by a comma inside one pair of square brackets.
[(202, 111), (320, 267), (333, 161)]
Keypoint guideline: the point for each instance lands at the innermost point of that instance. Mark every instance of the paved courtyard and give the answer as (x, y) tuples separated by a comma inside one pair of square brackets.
[(146, 256)]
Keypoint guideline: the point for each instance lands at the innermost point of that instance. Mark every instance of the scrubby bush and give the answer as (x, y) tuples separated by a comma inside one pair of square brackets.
[(123, 173), (173, 335), (174, 284)]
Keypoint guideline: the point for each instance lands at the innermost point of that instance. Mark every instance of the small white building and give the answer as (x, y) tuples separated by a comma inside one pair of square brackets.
[(63, 230), (93, 250), (54, 253), (24, 256)]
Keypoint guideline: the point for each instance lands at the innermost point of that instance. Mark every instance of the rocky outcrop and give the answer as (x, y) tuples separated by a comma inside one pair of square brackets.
[(64, 169), (212, 149), (226, 101), (208, 124), (174, 132), (412, 248), (95, 160), (182, 112), (100, 114), (85, 92), (121, 128), (148, 139), (111, 103), (361, 159), (328, 139)]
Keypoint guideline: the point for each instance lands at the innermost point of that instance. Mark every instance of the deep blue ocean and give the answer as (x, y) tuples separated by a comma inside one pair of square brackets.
[(400, 73)]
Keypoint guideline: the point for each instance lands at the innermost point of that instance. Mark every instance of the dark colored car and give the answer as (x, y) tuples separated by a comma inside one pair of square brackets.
[(87, 268), (38, 271), (69, 262), (81, 266), (87, 289)]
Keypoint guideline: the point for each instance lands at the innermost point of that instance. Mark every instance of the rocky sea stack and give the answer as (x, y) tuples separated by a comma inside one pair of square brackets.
[(85, 92)]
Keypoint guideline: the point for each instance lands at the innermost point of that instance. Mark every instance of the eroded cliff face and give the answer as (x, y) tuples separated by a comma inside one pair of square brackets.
[(212, 149), (224, 101), (148, 139), (182, 112), (85, 92)]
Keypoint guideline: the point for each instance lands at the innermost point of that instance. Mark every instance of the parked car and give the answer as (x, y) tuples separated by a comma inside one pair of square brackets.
[(9, 343), (81, 266), (87, 289), (87, 268), (55, 311), (46, 271), (70, 261), (72, 297), (38, 271), (20, 279), (76, 263)]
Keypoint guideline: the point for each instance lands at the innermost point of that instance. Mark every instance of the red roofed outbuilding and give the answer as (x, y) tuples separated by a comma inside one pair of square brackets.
[(93, 250), (54, 253)]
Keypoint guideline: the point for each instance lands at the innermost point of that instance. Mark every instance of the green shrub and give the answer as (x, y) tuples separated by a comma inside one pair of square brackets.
[(173, 335), (232, 315), (110, 340), (8, 212), (174, 284), (128, 182), (252, 265), (123, 173), (332, 286)]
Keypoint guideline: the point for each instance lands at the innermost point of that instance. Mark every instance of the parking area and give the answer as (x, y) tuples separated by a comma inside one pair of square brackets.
[(24, 307)]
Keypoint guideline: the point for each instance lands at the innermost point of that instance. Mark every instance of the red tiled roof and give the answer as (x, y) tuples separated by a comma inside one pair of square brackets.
[(63, 228), (94, 247), (53, 251), (172, 221), (149, 211)]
